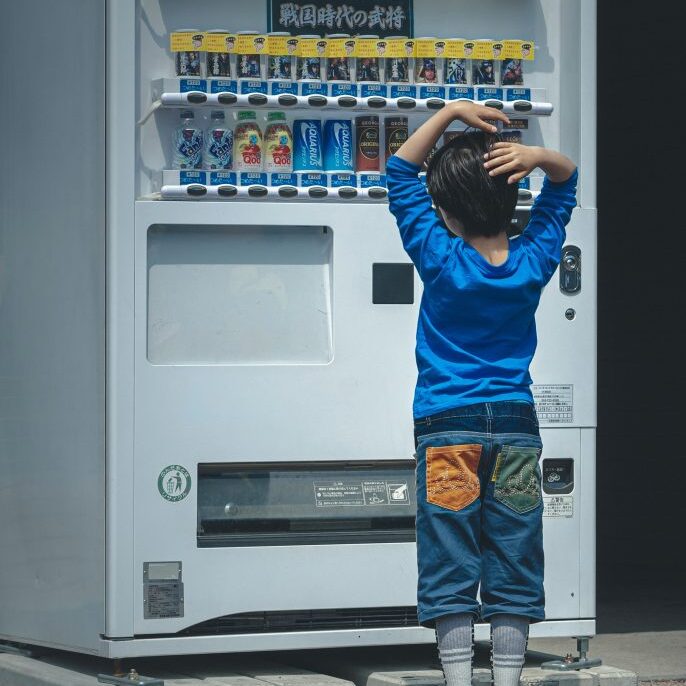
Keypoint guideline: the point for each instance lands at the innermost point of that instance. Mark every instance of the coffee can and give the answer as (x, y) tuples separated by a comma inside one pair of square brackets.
[(340, 68), (395, 134), (339, 146), (219, 60), (188, 62), (367, 149), (307, 145), (250, 55), (281, 61), (428, 63), (311, 57), (397, 68), (512, 72)]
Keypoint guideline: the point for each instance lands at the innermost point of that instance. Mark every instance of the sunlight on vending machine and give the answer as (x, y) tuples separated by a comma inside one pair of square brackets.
[(208, 318)]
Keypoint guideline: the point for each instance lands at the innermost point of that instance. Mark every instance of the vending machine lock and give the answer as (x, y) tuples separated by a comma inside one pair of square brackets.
[(570, 270)]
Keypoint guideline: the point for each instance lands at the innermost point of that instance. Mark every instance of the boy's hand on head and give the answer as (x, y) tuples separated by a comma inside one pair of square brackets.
[(477, 116), (512, 158)]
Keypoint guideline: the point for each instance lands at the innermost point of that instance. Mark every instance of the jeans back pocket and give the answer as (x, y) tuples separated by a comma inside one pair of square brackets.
[(452, 481), (517, 477)]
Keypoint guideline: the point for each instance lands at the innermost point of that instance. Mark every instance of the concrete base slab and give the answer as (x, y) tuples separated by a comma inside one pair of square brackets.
[(409, 666)]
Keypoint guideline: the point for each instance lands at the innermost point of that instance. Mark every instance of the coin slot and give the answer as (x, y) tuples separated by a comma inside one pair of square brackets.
[(227, 98), (196, 98), (257, 99), (257, 191), (288, 191), (227, 191), (196, 190)]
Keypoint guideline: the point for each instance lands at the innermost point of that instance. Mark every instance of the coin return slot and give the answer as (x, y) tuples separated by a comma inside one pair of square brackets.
[(227, 98)]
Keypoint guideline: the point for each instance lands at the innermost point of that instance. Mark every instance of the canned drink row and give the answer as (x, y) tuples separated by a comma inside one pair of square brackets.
[(335, 59), (346, 146)]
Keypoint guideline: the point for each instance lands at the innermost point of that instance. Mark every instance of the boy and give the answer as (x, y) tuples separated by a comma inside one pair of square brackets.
[(479, 505)]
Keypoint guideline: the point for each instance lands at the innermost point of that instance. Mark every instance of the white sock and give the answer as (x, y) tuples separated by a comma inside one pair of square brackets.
[(455, 635), (509, 637)]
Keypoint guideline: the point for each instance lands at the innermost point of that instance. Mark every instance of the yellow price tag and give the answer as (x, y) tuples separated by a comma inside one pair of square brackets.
[(399, 47), (340, 47), (250, 44), (311, 47), (184, 41), (220, 42)]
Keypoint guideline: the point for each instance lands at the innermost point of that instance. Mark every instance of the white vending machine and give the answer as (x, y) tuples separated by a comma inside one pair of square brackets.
[(207, 355)]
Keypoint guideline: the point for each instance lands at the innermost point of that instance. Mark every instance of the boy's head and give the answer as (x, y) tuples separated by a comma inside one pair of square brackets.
[(462, 188)]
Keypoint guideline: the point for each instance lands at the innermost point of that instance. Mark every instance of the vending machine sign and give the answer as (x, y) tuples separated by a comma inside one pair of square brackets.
[(358, 16)]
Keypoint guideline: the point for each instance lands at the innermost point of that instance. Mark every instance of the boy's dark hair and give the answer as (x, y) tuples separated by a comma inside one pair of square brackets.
[(461, 186)]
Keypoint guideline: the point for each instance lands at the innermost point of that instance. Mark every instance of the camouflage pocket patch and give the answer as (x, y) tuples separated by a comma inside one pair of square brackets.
[(518, 477), (452, 481)]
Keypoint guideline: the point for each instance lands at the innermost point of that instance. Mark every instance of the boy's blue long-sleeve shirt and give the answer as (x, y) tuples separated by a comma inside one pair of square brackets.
[(476, 333)]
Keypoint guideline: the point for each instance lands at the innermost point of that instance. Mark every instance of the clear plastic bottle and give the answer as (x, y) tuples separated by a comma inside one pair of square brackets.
[(187, 141), (278, 144), (218, 143), (247, 148)]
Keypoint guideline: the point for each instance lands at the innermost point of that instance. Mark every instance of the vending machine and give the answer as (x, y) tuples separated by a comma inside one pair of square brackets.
[(207, 318)]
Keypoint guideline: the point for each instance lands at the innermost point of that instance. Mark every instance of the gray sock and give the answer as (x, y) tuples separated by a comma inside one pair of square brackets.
[(455, 635), (509, 637)]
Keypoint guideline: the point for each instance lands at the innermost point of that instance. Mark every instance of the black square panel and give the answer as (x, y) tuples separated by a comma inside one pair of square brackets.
[(392, 283)]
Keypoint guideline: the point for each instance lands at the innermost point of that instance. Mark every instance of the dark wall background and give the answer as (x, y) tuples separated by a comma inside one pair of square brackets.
[(641, 466)]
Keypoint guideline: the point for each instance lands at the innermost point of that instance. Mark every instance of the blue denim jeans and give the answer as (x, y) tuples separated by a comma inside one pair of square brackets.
[(480, 512)]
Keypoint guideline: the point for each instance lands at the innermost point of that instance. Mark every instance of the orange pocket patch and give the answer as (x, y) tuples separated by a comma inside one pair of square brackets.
[(451, 475)]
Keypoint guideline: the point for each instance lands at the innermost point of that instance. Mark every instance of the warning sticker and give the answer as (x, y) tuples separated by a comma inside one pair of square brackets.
[(360, 493), (554, 403), (558, 506)]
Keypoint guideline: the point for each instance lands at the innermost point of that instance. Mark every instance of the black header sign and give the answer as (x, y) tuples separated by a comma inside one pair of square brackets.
[(356, 17)]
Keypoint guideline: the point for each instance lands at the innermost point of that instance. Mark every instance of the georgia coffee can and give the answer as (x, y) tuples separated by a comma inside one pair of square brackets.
[(367, 157), (395, 134)]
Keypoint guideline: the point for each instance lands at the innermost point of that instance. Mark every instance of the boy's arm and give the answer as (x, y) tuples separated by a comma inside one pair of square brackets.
[(425, 240), (553, 207)]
